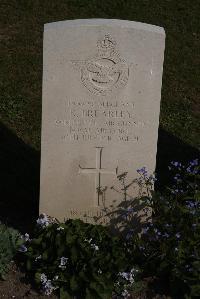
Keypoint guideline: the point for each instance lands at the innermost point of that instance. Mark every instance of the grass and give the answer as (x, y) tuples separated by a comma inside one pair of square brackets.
[(21, 51)]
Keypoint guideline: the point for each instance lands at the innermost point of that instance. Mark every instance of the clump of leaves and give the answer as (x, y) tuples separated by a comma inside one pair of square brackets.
[(10, 240), (170, 244), (81, 260)]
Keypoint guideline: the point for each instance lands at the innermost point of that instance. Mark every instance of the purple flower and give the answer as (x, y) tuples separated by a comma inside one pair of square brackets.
[(129, 210), (191, 204), (142, 171), (176, 191), (178, 235), (23, 248), (177, 178), (175, 163), (191, 169), (194, 162), (145, 230)]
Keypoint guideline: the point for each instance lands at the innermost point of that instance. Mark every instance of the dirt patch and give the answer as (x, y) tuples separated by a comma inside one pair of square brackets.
[(16, 286)]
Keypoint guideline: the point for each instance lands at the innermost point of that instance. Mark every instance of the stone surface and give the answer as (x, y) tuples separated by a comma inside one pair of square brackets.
[(100, 111)]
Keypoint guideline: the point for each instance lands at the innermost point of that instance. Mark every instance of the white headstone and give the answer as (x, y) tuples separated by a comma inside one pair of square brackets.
[(100, 110)]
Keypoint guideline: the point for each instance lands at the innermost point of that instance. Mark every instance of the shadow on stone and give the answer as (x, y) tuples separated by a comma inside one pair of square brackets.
[(20, 172), (19, 181)]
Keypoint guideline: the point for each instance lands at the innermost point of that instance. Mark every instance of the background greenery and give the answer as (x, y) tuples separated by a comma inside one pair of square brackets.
[(21, 55)]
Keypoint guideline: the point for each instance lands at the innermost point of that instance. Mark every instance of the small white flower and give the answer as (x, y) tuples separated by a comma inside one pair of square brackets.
[(95, 247), (27, 237), (63, 262), (124, 275), (56, 277), (38, 258), (125, 294), (43, 220), (99, 271), (60, 228), (89, 241), (43, 278), (129, 276), (47, 286)]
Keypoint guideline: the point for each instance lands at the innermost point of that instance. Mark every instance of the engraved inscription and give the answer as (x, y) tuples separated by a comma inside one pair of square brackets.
[(105, 72), (108, 121), (98, 171)]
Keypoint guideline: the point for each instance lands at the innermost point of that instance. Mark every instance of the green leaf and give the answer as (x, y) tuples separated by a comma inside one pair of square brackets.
[(103, 293), (74, 254), (74, 284), (45, 256), (90, 294), (28, 265), (64, 294), (38, 277)]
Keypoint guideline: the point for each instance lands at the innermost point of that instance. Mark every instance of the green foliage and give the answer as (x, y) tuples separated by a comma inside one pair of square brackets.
[(170, 245), (86, 261), (79, 259), (10, 241)]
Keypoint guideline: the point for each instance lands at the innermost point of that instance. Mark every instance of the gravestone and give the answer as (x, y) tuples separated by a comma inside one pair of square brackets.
[(100, 111)]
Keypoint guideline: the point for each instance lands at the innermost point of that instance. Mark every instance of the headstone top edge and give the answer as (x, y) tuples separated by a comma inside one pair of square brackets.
[(106, 22)]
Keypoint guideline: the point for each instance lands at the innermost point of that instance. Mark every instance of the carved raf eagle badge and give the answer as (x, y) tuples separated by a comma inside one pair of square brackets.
[(106, 71)]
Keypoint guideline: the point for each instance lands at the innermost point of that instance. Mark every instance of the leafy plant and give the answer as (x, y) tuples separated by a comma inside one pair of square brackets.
[(80, 260), (168, 249), (10, 240), (170, 244)]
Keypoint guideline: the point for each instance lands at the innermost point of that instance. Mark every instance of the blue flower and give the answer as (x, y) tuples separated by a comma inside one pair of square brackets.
[(177, 178), (194, 162), (47, 285), (142, 171), (145, 230), (129, 210), (191, 204), (176, 191), (176, 164)]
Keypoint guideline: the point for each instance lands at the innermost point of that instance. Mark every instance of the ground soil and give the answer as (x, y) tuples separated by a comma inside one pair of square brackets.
[(17, 286)]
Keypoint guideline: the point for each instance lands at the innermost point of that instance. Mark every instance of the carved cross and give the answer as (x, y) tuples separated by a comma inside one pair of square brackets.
[(98, 171)]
